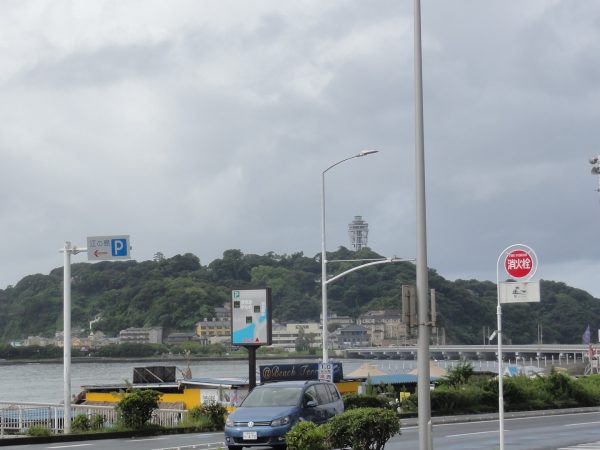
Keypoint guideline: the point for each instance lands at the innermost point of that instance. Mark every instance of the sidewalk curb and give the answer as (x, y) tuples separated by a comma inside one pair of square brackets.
[(437, 420)]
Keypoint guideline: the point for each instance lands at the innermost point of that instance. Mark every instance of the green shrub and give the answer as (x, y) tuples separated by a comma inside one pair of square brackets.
[(352, 401), (81, 423), (459, 375), (363, 428), (213, 412), (590, 389), (198, 423), (136, 407), (97, 422), (39, 431), (308, 436), (468, 398)]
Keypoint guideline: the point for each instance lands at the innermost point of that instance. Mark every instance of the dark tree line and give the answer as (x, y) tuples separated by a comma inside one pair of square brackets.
[(177, 292)]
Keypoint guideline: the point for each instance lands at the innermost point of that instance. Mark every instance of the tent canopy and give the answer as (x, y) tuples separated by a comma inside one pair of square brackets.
[(434, 370), (366, 370)]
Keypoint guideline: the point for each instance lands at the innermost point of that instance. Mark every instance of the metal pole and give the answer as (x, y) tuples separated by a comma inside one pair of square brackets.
[(324, 271), (425, 439), (323, 252), (500, 381), (67, 337), (251, 366)]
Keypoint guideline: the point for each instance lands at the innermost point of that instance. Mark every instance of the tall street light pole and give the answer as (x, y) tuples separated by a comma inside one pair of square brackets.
[(324, 256), (425, 440)]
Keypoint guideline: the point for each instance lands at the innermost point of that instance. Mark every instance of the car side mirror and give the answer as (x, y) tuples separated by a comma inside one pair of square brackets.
[(311, 403)]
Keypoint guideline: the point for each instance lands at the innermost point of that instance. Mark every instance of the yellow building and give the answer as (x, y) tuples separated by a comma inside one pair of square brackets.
[(183, 394)]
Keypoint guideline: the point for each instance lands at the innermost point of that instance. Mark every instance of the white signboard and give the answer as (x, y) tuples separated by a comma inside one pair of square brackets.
[(519, 292), (108, 248), (251, 317), (326, 372)]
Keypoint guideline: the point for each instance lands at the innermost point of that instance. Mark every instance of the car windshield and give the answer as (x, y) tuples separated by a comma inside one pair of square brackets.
[(273, 396)]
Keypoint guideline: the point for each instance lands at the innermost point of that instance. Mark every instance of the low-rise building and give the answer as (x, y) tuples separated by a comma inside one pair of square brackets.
[(180, 337), (211, 328), (351, 336), (384, 326), (152, 335), (286, 336), (38, 341)]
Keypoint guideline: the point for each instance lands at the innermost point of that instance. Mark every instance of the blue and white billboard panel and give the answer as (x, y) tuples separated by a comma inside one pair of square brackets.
[(251, 317), (103, 248)]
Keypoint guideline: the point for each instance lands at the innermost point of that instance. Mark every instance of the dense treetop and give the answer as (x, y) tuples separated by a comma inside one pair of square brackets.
[(177, 292)]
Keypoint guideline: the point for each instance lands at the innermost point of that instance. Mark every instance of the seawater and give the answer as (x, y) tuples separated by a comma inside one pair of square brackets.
[(43, 382)]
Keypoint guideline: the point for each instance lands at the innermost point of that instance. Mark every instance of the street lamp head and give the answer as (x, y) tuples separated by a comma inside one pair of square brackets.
[(367, 152)]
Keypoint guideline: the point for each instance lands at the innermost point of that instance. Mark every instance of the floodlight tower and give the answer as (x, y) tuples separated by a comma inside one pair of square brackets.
[(595, 161)]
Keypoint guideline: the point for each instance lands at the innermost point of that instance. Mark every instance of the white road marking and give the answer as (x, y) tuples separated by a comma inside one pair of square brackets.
[(473, 434), (582, 423), (590, 446), (207, 446), (69, 446)]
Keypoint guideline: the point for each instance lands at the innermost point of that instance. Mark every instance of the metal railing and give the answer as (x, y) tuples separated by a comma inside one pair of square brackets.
[(18, 417)]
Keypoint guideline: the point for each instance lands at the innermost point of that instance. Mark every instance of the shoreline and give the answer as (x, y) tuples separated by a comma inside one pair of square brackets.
[(157, 359)]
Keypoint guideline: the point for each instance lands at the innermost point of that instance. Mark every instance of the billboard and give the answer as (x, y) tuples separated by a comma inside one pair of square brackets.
[(304, 371), (251, 317)]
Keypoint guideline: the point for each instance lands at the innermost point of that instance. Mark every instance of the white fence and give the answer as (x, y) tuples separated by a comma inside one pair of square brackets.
[(18, 417)]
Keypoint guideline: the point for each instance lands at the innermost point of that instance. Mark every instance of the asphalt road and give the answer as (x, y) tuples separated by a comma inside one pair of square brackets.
[(553, 432)]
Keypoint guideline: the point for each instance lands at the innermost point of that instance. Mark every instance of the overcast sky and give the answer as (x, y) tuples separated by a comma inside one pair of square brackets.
[(202, 126)]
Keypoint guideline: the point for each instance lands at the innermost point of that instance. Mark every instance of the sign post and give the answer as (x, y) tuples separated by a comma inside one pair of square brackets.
[(99, 248), (251, 322), (520, 262)]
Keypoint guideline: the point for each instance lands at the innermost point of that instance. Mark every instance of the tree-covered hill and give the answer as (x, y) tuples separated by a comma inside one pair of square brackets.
[(177, 292)]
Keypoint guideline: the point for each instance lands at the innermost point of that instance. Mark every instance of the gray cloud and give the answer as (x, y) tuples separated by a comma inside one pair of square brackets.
[(206, 127)]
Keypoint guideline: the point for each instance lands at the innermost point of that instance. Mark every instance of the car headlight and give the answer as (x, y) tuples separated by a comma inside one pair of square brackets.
[(281, 421), (229, 422)]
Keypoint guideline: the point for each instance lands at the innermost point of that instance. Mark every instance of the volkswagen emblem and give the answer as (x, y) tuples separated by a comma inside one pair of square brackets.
[(250, 424)]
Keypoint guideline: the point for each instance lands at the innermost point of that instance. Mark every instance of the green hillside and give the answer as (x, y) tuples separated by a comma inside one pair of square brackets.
[(179, 291)]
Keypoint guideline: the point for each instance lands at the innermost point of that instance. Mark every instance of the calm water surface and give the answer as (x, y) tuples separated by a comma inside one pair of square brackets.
[(41, 382)]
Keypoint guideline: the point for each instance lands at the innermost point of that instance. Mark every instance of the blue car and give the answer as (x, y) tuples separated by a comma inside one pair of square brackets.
[(271, 410)]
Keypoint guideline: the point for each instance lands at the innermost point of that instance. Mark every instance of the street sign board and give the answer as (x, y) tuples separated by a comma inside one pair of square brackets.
[(251, 317), (107, 248), (518, 263), (519, 291), (326, 372)]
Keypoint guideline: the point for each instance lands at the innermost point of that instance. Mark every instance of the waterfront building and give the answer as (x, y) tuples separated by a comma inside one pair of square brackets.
[(351, 336), (223, 313), (38, 341), (211, 328), (286, 336), (385, 327), (179, 337), (152, 335)]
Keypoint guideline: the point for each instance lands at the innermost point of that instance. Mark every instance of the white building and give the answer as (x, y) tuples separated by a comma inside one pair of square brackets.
[(133, 335), (286, 336)]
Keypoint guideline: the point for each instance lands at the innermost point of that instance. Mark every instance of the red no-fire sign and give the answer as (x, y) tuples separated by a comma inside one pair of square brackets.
[(518, 264)]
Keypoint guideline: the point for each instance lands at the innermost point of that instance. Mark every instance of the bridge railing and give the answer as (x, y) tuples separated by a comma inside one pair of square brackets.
[(18, 417)]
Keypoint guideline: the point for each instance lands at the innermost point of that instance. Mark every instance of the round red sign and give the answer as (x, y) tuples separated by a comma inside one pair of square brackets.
[(518, 263)]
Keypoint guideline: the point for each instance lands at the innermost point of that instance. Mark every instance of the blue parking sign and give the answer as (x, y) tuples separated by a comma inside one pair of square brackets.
[(118, 247), (108, 248)]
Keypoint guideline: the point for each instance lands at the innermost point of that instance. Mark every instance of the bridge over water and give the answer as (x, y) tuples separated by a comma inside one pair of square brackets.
[(546, 352)]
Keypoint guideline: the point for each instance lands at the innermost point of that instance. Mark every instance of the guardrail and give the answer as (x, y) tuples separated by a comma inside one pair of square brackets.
[(18, 417)]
